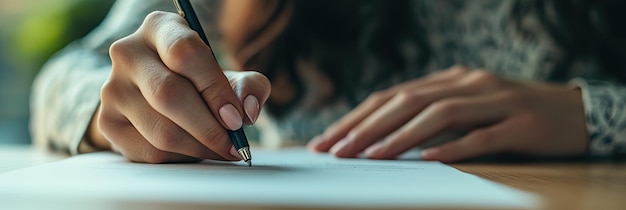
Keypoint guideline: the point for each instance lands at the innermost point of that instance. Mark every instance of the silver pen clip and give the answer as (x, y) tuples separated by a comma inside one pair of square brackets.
[(180, 11)]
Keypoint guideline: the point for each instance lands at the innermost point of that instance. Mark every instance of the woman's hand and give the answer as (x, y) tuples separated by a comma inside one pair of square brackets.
[(167, 99), (501, 116)]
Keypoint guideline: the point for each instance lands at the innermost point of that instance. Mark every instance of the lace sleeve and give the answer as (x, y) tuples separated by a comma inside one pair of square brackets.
[(605, 113)]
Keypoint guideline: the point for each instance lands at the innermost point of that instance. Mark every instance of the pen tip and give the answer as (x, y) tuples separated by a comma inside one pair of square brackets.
[(249, 162)]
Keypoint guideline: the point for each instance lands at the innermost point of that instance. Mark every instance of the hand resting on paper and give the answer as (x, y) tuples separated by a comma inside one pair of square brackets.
[(500, 115)]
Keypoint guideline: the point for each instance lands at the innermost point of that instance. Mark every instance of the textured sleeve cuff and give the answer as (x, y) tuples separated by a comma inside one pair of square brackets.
[(605, 114), (65, 96), (66, 92)]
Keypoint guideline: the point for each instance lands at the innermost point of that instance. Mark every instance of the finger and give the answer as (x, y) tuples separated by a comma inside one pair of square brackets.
[(171, 95), (126, 140), (392, 115), (175, 98), (164, 134), (183, 51), (451, 74), (252, 88), (340, 129), (453, 112), (479, 142)]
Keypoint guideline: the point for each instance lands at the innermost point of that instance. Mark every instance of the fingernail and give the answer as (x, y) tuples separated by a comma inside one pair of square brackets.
[(373, 150), (234, 153), (430, 153), (252, 107), (313, 143), (316, 140), (231, 117), (340, 147)]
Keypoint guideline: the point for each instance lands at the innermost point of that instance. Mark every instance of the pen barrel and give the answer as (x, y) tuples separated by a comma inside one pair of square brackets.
[(192, 19), (184, 7), (238, 137)]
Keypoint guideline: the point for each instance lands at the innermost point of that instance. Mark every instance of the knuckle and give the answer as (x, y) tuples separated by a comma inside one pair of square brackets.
[(110, 97), (185, 46), (378, 97), (212, 92), (179, 46), (105, 122), (120, 50), (109, 123), (166, 138), (110, 91), (213, 136), (166, 91), (445, 109), (153, 19), (484, 78), (405, 98), (458, 69), (155, 156)]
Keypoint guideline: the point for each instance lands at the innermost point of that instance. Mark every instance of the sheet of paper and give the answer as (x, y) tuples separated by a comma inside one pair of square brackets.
[(282, 178), (14, 157)]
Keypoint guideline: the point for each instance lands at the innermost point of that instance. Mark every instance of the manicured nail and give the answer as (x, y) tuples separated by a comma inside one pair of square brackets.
[(252, 108), (340, 147), (373, 150), (316, 140), (314, 143), (231, 117), (430, 153), (234, 152)]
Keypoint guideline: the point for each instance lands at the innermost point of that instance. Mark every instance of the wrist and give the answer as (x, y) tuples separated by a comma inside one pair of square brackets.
[(94, 139)]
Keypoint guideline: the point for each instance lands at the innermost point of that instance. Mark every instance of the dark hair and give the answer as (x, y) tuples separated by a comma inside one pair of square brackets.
[(346, 36), (340, 35)]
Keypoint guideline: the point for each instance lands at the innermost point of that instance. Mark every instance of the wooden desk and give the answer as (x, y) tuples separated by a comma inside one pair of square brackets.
[(562, 185), (566, 186)]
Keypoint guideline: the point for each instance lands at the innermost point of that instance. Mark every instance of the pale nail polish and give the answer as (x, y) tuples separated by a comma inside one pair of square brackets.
[(231, 117), (372, 150), (252, 108), (429, 153), (339, 147), (314, 143), (316, 139)]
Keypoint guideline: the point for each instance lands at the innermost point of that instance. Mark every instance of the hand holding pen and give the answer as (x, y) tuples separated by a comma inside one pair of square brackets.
[(237, 136), (168, 100)]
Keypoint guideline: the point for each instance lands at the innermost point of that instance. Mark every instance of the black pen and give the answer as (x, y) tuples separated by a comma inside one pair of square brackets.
[(238, 137)]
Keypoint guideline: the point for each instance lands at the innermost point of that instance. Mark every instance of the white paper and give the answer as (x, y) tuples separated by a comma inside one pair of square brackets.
[(14, 157), (283, 178)]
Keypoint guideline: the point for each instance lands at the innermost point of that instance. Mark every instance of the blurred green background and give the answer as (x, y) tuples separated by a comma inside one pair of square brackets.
[(30, 32)]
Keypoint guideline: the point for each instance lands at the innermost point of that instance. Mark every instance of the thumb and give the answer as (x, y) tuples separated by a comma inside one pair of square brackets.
[(184, 52), (253, 89)]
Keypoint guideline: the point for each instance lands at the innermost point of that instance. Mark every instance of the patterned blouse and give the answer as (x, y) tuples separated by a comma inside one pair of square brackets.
[(476, 34)]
